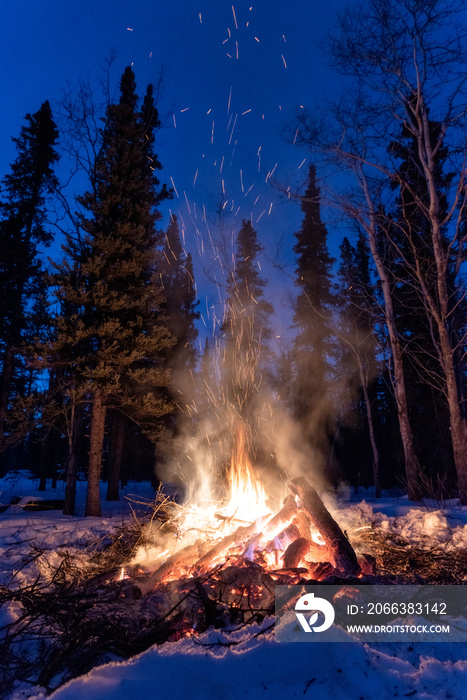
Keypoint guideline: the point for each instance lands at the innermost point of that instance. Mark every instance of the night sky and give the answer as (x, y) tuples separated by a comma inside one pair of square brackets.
[(234, 74)]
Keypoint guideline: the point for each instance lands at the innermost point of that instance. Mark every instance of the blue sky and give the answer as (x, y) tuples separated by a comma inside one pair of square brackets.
[(234, 73)]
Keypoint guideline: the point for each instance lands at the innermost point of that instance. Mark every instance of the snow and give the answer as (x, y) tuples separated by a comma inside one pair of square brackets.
[(259, 667), (247, 663), (420, 525), (51, 531), (20, 485)]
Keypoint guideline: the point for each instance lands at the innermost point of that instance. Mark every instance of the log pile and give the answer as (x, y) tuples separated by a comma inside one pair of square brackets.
[(286, 538)]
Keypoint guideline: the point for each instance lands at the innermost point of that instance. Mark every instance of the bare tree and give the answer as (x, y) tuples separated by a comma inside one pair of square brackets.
[(407, 62)]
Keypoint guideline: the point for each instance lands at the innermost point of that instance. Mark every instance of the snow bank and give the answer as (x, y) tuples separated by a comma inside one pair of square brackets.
[(260, 668), (421, 527)]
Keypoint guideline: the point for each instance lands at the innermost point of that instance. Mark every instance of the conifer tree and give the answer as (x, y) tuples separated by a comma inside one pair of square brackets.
[(116, 336), (246, 328), (410, 258), (247, 320), (24, 194), (207, 384), (176, 276), (313, 346), (180, 304)]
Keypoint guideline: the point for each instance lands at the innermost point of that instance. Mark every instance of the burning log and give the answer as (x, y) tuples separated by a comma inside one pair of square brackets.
[(288, 510), (295, 552), (230, 519), (184, 557), (342, 551), (243, 534), (302, 521), (283, 539), (285, 514), (322, 570), (237, 537)]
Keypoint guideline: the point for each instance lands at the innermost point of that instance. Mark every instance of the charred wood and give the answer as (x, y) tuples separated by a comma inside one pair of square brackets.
[(342, 551), (186, 557), (295, 552)]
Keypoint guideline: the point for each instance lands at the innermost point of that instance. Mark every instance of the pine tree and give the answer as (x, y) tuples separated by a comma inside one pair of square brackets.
[(24, 194), (176, 274), (207, 384), (246, 355), (313, 346), (116, 335)]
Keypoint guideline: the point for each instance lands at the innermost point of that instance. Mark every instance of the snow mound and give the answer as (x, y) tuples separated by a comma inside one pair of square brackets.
[(251, 664), (420, 527)]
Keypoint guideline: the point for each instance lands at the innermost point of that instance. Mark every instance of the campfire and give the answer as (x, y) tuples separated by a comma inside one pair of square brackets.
[(300, 541), (205, 565)]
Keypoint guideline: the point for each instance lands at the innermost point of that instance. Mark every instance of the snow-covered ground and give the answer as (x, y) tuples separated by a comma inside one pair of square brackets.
[(261, 669), (248, 663)]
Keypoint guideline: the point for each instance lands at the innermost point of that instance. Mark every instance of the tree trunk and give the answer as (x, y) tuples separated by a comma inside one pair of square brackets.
[(371, 429), (457, 423), (438, 305), (70, 484), (44, 459), (5, 384), (74, 436), (412, 466), (93, 501), (117, 434)]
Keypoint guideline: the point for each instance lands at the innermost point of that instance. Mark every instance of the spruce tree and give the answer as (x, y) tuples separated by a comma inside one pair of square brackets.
[(180, 304), (247, 330), (179, 307), (313, 345), (23, 205), (116, 336), (246, 320)]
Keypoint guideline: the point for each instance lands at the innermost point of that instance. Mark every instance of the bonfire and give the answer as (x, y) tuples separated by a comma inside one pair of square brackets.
[(224, 559), (300, 540)]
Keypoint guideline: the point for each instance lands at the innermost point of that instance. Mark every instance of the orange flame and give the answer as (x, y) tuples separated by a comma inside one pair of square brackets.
[(247, 498)]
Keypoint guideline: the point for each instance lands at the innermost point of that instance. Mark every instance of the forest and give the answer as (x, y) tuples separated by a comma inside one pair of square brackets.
[(101, 378)]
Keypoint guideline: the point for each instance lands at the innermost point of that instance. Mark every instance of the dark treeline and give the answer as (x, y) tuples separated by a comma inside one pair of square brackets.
[(99, 373)]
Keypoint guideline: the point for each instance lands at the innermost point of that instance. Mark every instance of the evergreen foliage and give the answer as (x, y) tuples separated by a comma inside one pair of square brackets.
[(177, 280), (116, 335), (358, 332), (23, 205), (176, 270), (410, 248), (247, 323), (313, 319)]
